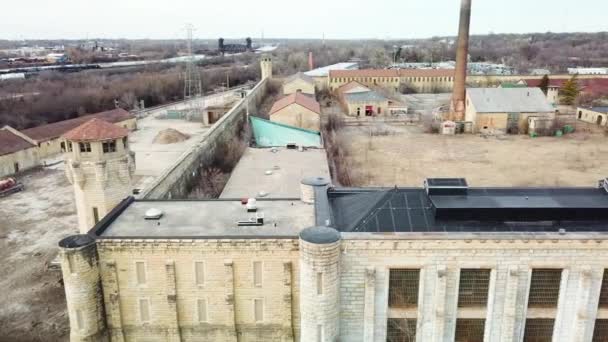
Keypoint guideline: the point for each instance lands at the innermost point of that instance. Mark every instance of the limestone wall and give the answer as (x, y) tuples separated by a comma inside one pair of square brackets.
[(227, 286), (26, 159), (180, 177), (511, 259)]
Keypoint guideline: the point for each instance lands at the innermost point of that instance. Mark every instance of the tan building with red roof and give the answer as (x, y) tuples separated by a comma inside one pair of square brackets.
[(297, 110), (99, 164), (420, 80), (47, 137), (17, 152)]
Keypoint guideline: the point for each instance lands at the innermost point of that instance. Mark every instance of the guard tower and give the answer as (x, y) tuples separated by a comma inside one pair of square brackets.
[(99, 165), (83, 293), (266, 66)]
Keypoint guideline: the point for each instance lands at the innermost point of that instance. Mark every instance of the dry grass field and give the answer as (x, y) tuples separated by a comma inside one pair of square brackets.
[(405, 156)]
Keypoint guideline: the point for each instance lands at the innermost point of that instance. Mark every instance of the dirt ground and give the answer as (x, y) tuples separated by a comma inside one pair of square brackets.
[(32, 300), (405, 156)]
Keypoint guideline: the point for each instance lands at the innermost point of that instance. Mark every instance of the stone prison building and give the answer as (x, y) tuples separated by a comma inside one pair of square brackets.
[(442, 262)]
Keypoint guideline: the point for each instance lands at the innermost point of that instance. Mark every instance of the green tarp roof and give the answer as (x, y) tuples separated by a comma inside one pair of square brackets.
[(274, 134)]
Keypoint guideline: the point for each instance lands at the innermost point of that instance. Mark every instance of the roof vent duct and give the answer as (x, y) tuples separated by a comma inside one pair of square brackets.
[(257, 221), (446, 186), (252, 205), (153, 214), (604, 184)]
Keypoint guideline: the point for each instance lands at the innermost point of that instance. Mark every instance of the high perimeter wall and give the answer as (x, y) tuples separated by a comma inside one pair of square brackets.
[(182, 176)]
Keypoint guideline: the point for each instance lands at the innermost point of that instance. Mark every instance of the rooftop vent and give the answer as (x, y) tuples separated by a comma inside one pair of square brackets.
[(258, 220), (604, 184), (251, 205), (292, 146), (446, 186), (153, 214)]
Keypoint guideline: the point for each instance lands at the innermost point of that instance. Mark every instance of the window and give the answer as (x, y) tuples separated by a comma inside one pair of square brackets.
[(201, 310), (474, 287), (401, 330), (63, 146), (470, 330), (79, 319), (69, 146), (199, 272), (109, 146), (95, 215), (604, 291), (600, 332), (144, 310), (403, 288), (16, 167), (319, 283), (72, 263), (258, 309), (539, 330), (140, 269), (257, 273), (319, 333), (544, 287), (85, 147)]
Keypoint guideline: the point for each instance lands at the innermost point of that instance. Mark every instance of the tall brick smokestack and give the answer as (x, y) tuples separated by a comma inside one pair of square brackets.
[(457, 107), (311, 61)]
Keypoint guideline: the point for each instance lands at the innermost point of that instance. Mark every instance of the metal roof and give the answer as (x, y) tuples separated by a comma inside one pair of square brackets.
[(509, 100), (368, 96), (324, 71), (274, 134), (480, 210), (603, 110)]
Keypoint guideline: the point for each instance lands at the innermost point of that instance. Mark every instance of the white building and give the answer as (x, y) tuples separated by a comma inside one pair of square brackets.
[(588, 71)]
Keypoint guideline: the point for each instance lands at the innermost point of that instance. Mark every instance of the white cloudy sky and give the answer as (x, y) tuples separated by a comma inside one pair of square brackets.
[(76, 19)]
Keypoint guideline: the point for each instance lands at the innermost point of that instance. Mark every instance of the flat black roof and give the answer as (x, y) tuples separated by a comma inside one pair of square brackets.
[(479, 210)]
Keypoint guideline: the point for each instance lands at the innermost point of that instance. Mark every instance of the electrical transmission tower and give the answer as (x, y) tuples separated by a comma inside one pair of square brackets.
[(193, 87)]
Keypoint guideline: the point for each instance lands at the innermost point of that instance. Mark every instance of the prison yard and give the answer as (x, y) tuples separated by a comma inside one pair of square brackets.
[(383, 155)]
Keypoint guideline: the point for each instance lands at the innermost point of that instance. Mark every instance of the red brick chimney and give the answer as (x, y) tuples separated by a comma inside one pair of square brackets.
[(311, 62), (457, 107)]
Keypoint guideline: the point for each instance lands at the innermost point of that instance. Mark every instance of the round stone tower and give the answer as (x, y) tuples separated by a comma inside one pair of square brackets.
[(266, 66), (99, 165), (319, 284), (83, 293)]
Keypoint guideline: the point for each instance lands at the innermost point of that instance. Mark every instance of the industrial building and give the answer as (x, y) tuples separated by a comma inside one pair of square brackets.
[(421, 80), (443, 262), (17, 152), (297, 110), (594, 115), (299, 82), (505, 110), (320, 75)]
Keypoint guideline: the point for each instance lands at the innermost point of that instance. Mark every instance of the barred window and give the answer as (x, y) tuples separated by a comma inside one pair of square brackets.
[(474, 287), (401, 330), (539, 330), (403, 288), (544, 287), (600, 332), (109, 146), (470, 330), (604, 291), (84, 147)]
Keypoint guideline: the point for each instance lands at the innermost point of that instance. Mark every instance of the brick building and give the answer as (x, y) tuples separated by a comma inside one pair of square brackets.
[(443, 262)]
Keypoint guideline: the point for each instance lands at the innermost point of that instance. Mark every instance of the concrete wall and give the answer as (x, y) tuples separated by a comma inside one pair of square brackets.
[(587, 115), (511, 260), (228, 288), (298, 116), (26, 159), (179, 178)]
